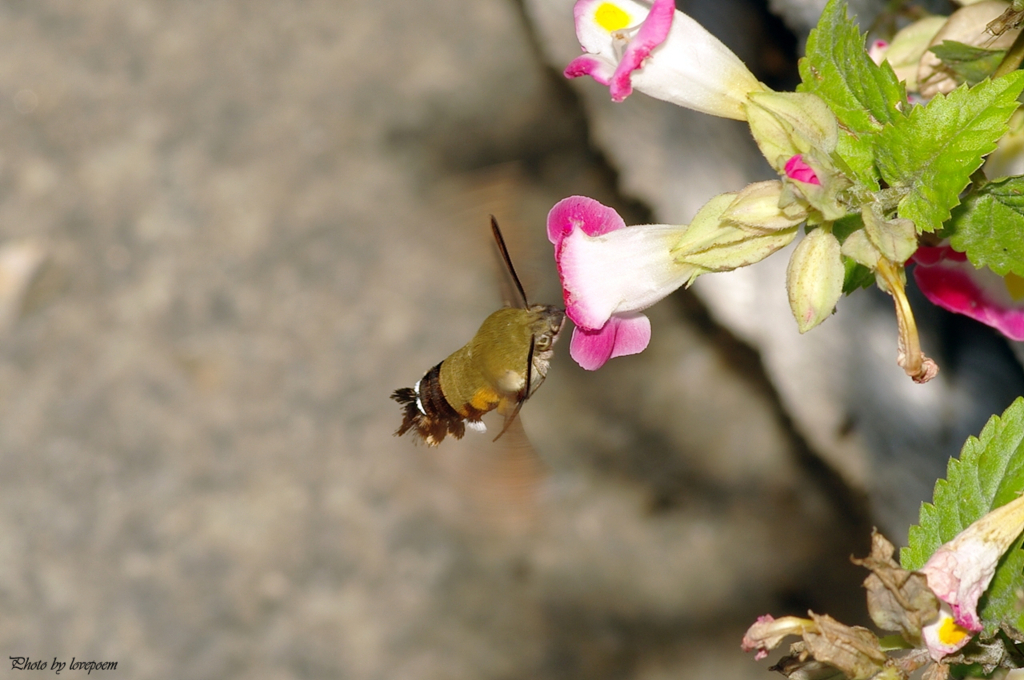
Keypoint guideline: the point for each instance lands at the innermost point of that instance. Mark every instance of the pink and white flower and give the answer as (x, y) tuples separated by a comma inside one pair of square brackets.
[(960, 571), (609, 273), (948, 280), (663, 53)]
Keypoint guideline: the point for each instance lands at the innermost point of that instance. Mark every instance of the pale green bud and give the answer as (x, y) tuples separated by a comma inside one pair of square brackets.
[(858, 248), (713, 244), (824, 195), (756, 208), (814, 279), (895, 239), (785, 124)]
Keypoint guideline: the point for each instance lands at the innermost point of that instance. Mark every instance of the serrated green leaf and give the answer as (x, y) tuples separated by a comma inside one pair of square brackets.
[(988, 474), (863, 95), (933, 151), (1000, 608), (971, 64), (989, 224), (855, 158)]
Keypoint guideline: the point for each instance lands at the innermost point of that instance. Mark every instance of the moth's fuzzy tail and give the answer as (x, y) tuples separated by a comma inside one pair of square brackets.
[(436, 419)]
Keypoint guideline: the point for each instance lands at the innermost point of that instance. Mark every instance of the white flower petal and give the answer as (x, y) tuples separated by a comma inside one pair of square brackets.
[(626, 270)]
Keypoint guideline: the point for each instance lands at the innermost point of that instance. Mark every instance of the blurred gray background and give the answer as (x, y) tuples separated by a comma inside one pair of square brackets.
[(229, 230)]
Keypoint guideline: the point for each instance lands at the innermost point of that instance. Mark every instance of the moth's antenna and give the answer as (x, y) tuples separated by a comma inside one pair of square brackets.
[(508, 262)]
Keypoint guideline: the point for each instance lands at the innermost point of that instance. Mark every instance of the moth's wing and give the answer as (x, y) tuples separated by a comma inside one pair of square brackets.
[(509, 296), (511, 409), (512, 293), (505, 478)]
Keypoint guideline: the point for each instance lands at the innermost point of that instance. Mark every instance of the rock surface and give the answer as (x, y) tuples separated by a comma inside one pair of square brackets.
[(261, 218)]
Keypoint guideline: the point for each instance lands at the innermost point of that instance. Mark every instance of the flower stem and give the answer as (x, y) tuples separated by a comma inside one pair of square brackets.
[(909, 355)]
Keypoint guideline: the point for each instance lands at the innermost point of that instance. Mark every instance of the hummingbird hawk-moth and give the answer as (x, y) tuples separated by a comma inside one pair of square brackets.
[(500, 368)]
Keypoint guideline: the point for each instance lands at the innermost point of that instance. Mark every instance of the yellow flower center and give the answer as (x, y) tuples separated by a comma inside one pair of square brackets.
[(610, 17), (950, 633), (1015, 285)]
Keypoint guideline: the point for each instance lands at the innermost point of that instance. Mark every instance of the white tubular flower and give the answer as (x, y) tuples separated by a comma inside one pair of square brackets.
[(960, 571), (663, 53), (610, 273)]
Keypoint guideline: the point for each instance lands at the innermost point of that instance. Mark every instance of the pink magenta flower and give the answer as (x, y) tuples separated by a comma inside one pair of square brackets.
[(797, 169), (663, 53), (609, 273), (960, 571), (948, 280)]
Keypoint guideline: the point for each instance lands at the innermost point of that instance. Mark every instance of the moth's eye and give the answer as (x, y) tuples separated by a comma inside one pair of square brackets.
[(542, 343)]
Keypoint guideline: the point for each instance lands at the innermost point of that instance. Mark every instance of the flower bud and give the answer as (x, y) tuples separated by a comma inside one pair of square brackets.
[(756, 208), (798, 169), (711, 243), (813, 179), (814, 279), (786, 124), (896, 240), (858, 248)]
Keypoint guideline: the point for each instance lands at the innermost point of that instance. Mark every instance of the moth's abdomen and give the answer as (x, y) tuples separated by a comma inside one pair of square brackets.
[(427, 411)]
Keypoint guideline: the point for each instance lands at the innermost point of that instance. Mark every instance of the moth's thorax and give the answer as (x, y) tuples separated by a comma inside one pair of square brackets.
[(492, 366)]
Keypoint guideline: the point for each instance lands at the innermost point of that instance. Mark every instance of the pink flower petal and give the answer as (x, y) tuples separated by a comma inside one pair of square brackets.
[(944, 636), (589, 66), (593, 219), (948, 280), (752, 640), (928, 255), (623, 335), (586, 213), (797, 169), (958, 581), (652, 33)]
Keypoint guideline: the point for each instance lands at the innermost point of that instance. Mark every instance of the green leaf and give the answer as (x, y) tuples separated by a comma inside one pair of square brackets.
[(856, 276), (863, 95), (988, 474), (1000, 607), (933, 152), (845, 226), (972, 64), (855, 158), (989, 224)]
